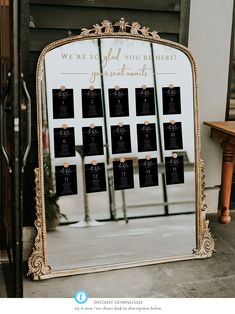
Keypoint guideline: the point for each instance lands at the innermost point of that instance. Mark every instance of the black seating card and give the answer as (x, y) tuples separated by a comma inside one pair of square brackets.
[(148, 172), (63, 103), (174, 170), (64, 142), (95, 177), (146, 134), (66, 180), (121, 139), (91, 103), (92, 141), (118, 102), (145, 104), (171, 100), (123, 175), (173, 135)]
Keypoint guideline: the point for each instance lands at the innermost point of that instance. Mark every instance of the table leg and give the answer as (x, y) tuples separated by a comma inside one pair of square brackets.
[(226, 184)]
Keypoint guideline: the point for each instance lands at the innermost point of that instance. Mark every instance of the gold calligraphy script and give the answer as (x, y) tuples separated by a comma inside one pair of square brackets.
[(124, 61)]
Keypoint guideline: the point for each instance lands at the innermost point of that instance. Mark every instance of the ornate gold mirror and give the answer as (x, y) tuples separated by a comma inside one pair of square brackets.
[(119, 153)]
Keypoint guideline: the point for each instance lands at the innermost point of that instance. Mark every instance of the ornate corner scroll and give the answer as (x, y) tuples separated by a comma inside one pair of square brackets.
[(205, 243), (121, 27), (37, 262)]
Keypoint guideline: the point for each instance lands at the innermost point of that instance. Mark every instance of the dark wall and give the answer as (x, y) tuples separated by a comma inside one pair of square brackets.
[(45, 21)]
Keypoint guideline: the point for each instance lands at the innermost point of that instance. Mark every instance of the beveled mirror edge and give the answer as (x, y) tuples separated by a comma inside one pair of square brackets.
[(38, 263)]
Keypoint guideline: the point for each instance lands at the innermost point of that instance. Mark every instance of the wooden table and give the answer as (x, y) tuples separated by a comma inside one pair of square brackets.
[(224, 131)]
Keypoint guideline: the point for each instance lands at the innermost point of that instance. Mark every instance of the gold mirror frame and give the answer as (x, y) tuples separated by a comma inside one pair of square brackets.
[(38, 262)]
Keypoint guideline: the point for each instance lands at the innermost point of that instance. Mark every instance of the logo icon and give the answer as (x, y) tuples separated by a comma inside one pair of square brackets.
[(81, 296)]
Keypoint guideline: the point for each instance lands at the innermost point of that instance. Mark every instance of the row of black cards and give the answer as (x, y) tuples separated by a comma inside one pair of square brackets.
[(64, 139), (63, 102), (66, 177)]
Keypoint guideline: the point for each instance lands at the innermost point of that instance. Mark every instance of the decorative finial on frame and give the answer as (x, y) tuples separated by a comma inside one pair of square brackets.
[(122, 25), (107, 28)]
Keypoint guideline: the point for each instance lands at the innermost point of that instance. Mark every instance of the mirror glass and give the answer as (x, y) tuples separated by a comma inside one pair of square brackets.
[(119, 152)]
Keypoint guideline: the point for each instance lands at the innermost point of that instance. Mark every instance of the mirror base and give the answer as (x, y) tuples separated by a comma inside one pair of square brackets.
[(104, 268)]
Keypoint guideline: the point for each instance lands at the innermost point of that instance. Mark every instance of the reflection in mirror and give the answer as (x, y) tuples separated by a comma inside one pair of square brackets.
[(121, 153)]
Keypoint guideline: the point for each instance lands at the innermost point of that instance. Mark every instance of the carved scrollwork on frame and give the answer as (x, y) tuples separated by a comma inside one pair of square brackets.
[(203, 204), (206, 244), (37, 262), (106, 28)]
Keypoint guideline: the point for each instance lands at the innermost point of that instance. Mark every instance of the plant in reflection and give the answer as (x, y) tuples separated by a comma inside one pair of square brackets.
[(52, 209)]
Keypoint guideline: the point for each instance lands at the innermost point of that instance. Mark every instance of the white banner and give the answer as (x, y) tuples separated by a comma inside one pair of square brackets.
[(118, 305)]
